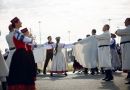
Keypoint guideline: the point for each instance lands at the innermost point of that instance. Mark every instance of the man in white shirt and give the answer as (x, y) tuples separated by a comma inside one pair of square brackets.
[(86, 52), (49, 54), (125, 45), (9, 39), (104, 57)]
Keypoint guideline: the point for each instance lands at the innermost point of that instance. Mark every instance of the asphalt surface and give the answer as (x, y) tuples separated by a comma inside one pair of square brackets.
[(79, 81)]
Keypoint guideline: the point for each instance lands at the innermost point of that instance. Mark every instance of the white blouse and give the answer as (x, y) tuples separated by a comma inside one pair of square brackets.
[(51, 46)]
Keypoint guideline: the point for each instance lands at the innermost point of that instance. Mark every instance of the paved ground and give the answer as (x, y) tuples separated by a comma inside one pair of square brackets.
[(80, 82)]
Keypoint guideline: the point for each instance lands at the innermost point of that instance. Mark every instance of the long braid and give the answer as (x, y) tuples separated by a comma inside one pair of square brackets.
[(57, 41)]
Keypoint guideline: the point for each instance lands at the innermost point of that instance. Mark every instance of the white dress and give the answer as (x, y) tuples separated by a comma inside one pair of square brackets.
[(59, 63)]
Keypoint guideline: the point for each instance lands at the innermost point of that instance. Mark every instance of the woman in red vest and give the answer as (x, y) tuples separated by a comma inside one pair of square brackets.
[(21, 72)]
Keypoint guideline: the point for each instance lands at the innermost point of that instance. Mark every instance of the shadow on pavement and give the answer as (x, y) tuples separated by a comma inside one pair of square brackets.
[(109, 85)]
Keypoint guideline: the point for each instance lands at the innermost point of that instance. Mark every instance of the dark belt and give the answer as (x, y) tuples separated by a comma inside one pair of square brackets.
[(103, 45), (12, 48), (125, 42)]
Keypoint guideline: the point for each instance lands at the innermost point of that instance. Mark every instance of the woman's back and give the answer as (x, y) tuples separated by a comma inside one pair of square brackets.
[(59, 47)]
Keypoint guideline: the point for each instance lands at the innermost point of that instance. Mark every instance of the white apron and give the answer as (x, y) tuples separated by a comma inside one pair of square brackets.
[(125, 51), (104, 57), (8, 61)]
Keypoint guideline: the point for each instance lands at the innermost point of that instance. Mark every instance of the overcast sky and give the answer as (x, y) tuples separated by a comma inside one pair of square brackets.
[(60, 16)]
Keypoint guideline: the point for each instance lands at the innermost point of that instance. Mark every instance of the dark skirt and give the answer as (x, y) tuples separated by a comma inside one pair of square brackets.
[(33, 63), (76, 65), (21, 75)]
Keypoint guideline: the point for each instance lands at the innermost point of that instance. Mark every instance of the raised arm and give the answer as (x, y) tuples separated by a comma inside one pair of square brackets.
[(102, 36), (67, 45), (125, 31), (82, 41), (19, 36), (49, 46), (32, 44)]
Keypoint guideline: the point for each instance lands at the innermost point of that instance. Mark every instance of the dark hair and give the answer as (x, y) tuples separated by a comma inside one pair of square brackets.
[(88, 35), (107, 26), (10, 27), (13, 24), (79, 39), (128, 19), (48, 37), (94, 30), (57, 41), (113, 35)]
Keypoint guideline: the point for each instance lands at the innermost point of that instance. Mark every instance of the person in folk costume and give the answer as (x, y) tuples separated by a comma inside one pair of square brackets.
[(114, 56), (125, 45), (118, 48), (104, 57), (21, 71), (9, 39), (3, 71), (29, 47), (59, 63), (76, 65), (86, 69), (49, 54), (88, 54), (6, 54)]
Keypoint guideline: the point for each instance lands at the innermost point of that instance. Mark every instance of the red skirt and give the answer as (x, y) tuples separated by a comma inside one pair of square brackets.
[(76, 65)]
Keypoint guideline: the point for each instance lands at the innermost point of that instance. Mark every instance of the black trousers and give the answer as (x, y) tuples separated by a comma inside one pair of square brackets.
[(86, 70), (48, 57)]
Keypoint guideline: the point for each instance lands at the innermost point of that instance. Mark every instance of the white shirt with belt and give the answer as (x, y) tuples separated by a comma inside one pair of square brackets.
[(104, 56), (125, 48)]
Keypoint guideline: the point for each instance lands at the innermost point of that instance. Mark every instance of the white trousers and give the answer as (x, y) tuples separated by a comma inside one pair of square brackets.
[(107, 68)]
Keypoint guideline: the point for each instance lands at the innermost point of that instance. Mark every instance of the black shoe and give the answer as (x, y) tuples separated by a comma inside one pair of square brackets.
[(4, 85), (106, 75), (120, 69), (128, 82), (128, 76), (85, 73), (110, 76), (102, 70), (109, 79), (97, 70), (44, 73), (65, 74), (51, 74), (93, 71), (74, 71)]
